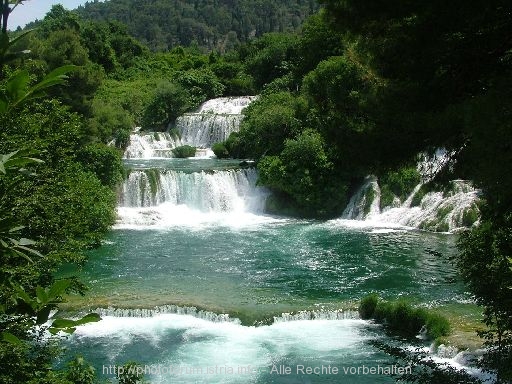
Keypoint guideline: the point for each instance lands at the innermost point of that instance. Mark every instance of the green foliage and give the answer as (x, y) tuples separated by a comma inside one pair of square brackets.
[(470, 216), (268, 122), (303, 172), (220, 150), (184, 151), (368, 305), (202, 84), (387, 197), (131, 373), (270, 57), (232, 76), (318, 41), (484, 265), (402, 318), (104, 162), (80, 372), (218, 26), (368, 200), (17, 89), (110, 122), (399, 183), (170, 100)]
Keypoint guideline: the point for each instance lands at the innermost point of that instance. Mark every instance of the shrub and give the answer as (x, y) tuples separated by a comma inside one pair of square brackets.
[(386, 197), (401, 182), (220, 150), (401, 317), (470, 216), (184, 151), (368, 305), (103, 161)]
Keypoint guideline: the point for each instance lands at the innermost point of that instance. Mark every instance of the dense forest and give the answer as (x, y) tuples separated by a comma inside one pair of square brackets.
[(357, 88), (219, 25)]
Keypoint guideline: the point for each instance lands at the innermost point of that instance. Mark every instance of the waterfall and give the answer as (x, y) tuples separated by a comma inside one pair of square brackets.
[(365, 202), (437, 211), (440, 211), (151, 145), (213, 122), (166, 309), (154, 197)]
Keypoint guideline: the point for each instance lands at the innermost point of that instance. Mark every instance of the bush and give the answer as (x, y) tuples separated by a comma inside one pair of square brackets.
[(184, 151), (303, 171), (367, 306), (110, 122), (104, 161), (386, 197), (169, 101), (402, 318), (401, 182), (220, 150)]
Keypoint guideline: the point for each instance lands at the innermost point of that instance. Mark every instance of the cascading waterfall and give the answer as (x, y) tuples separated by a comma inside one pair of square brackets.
[(206, 190), (365, 202), (437, 211), (213, 122), (442, 211), (151, 145), (168, 197)]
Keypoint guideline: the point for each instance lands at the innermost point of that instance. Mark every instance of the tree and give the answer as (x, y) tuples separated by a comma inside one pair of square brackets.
[(170, 100), (303, 172)]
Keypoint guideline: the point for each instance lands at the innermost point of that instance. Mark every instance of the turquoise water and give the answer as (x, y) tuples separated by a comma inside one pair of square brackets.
[(288, 286)]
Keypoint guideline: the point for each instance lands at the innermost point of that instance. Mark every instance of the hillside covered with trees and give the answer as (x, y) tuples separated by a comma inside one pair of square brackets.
[(219, 25)]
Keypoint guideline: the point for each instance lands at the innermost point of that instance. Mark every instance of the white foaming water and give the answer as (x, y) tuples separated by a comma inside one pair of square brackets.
[(213, 122), (191, 345), (151, 145), (437, 211), (226, 105), (165, 198), (362, 204)]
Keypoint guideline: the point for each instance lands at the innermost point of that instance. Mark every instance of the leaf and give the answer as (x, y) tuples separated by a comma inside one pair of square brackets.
[(42, 296), (58, 288), (23, 255), (16, 229), (24, 241), (33, 251), (22, 161), (57, 76), (89, 318), (69, 326), (10, 338), (43, 315), (63, 323)]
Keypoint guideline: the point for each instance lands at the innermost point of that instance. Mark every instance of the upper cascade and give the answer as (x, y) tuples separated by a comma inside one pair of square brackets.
[(213, 121), (151, 145)]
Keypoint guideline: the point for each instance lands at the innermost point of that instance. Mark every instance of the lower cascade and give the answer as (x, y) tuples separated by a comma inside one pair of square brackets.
[(207, 191), (162, 196)]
